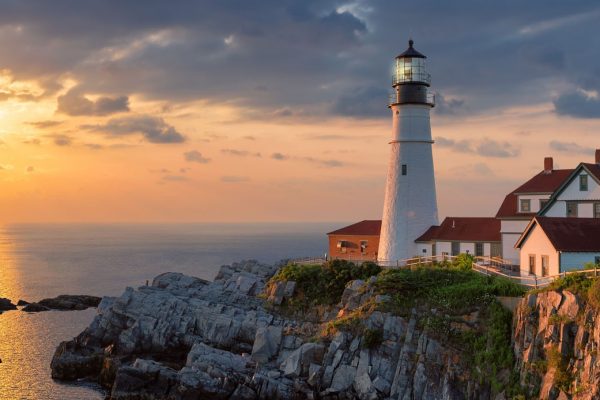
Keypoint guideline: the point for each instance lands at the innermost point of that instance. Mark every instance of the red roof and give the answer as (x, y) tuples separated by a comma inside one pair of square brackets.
[(594, 169), (544, 182), (568, 234), (363, 228), (540, 183), (429, 234), (483, 229)]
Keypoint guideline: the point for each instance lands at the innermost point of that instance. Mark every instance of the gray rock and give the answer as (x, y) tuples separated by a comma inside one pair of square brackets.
[(343, 378), (297, 363), (6, 305), (266, 343)]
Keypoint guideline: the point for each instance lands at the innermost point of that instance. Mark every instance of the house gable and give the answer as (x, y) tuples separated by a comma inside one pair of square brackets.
[(570, 191)]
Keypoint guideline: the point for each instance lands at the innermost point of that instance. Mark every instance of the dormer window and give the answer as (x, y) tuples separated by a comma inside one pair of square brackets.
[(583, 183), (525, 205)]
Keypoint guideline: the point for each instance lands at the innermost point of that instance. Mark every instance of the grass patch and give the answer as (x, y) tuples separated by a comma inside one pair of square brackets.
[(452, 289)]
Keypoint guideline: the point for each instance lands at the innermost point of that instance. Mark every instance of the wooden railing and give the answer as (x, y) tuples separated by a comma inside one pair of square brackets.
[(531, 281)]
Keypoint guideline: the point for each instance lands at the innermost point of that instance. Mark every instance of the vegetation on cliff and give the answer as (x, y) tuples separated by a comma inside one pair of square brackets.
[(450, 301)]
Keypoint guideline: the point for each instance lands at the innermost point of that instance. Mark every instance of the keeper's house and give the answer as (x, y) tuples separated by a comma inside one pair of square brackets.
[(551, 245), (472, 235)]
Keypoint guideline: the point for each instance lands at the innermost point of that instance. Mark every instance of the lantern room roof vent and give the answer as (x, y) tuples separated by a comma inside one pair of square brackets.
[(411, 52)]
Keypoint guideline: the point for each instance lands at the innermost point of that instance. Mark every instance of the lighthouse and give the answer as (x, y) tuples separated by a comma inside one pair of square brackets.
[(410, 205)]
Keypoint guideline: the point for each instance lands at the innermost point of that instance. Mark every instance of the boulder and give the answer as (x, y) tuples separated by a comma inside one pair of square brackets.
[(22, 303), (266, 343), (298, 362), (343, 378), (6, 305), (34, 307)]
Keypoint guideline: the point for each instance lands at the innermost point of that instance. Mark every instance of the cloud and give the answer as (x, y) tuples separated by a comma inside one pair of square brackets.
[(61, 140), (240, 153), (45, 124), (324, 56), (195, 156), (570, 147), (578, 104), (279, 156), (74, 103), (460, 146), (485, 147), (249, 137), (234, 179), (152, 129), (363, 102), (493, 148), (35, 141), (328, 163), (30, 169), (447, 106), (324, 163)]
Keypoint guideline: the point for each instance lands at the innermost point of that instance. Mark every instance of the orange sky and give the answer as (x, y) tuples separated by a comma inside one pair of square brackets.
[(330, 168)]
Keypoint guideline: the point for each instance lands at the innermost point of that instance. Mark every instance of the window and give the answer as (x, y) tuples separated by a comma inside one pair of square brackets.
[(525, 205), (496, 250), (596, 210), (342, 245), (583, 183), (597, 260), (363, 246), (532, 264), (545, 261), (543, 203), (478, 249), (404, 169), (571, 209), (455, 248), (424, 251)]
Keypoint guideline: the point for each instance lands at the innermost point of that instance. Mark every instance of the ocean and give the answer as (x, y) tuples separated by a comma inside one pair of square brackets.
[(39, 261)]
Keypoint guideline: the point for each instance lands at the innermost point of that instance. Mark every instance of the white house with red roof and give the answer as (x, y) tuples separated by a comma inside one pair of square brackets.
[(520, 205), (552, 245)]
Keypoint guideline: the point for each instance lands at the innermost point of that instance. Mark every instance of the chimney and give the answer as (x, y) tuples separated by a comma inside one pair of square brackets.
[(597, 156), (549, 165)]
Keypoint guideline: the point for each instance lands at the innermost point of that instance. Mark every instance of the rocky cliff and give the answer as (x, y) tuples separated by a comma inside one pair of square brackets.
[(234, 338), (556, 338)]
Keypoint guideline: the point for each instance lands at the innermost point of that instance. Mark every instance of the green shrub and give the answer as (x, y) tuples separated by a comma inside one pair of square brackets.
[(453, 290), (463, 262), (323, 284)]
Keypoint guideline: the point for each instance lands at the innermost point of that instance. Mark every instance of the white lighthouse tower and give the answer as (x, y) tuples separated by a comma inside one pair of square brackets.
[(410, 206)]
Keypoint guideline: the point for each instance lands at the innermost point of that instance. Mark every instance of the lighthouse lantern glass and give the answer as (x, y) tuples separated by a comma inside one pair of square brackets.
[(411, 70)]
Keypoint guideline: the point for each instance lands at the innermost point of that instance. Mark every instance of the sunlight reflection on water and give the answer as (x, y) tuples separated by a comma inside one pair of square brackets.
[(27, 343)]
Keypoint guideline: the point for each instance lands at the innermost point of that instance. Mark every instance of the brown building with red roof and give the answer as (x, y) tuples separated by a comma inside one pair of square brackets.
[(358, 241)]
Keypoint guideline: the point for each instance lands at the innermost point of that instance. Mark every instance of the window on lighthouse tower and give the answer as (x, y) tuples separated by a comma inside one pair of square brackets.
[(404, 169)]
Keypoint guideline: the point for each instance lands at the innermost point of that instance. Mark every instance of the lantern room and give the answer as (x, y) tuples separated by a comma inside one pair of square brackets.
[(410, 67)]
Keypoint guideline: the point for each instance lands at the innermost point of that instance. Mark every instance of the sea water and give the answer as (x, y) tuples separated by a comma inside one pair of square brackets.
[(39, 261)]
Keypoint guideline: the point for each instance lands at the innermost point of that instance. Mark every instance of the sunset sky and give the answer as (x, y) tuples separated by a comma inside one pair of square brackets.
[(185, 111)]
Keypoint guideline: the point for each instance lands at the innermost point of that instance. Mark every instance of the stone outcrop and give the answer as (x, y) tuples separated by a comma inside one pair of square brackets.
[(187, 338), (556, 339), (6, 305), (64, 302)]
